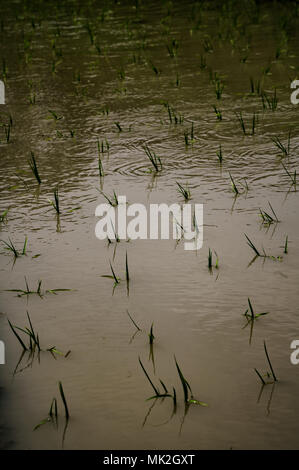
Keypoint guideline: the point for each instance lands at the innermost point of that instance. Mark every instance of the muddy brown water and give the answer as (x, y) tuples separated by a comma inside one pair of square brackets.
[(50, 57)]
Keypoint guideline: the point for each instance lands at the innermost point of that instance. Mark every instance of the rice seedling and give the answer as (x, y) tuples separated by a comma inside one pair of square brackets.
[(67, 415), (241, 121), (137, 59), (286, 245), (90, 33), (116, 237), (259, 375), (154, 69), (100, 165), (268, 219), (53, 350), (233, 184), (54, 291), (153, 158), (28, 291), (213, 76), (53, 411), (116, 279), (156, 390), (270, 101), (127, 269), (151, 335), (259, 254), (219, 86), (163, 385), (56, 203), (166, 104), (11, 247), (210, 258), (3, 216), (34, 169), (189, 141), (7, 130), (203, 62), (113, 276), (285, 149), (51, 417), (174, 401), (103, 146), (173, 117), (250, 314), (121, 74), (217, 261), (270, 375), (172, 48), (113, 201), (105, 110), (122, 90), (254, 123), (119, 128), (151, 351), (292, 177), (134, 323), (187, 389), (55, 63), (266, 70), (252, 246), (177, 80), (177, 118), (218, 113), (277, 53), (13, 329), (245, 185), (127, 274), (98, 49), (185, 192), (186, 137), (54, 115), (220, 154), (38, 291), (33, 336), (255, 87)]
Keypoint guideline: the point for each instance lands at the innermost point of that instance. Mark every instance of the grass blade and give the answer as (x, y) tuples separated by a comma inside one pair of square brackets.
[(34, 169), (262, 380), (252, 246), (64, 401), (148, 378), (184, 382), (268, 359), (17, 336), (134, 323)]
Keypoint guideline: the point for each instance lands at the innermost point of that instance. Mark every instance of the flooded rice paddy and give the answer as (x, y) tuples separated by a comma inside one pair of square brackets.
[(206, 86)]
